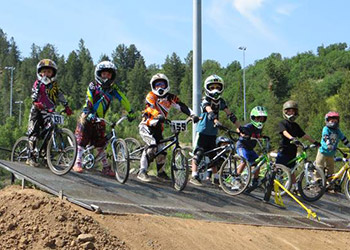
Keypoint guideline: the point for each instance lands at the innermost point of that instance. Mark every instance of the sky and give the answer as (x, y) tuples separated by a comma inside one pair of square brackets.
[(160, 27)]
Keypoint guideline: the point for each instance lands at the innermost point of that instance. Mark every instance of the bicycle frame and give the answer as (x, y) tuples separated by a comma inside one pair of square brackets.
[(111, 138), (343, 172)]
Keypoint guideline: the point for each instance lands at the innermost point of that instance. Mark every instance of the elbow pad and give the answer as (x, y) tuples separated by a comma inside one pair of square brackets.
[(212, 116), (232, 117)]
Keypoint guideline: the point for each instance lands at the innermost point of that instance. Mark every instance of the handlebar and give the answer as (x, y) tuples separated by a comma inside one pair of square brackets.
[(303, 146), (112, 124)]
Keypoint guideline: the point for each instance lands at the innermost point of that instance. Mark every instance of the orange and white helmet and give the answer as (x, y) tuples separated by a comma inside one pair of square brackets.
[(158, 79), (46, 63)]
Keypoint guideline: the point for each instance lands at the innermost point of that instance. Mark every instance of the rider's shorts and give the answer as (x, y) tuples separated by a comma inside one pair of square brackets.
[(91, 133), (249, 155)]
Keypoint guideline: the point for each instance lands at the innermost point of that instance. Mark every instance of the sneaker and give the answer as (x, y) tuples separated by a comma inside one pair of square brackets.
[(78, 169), (215, 181), (196, 181), (107, 171), (163, 176), (253, 185), (143, 176), (31, 162)]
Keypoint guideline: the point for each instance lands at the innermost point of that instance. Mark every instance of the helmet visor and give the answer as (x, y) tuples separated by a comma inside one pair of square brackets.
[(215, 86)]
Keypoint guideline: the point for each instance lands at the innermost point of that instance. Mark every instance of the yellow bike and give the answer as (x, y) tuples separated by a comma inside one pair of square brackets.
[(342, 176)]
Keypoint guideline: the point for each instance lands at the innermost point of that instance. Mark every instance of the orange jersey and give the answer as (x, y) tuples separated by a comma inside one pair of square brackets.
[(156, 105)]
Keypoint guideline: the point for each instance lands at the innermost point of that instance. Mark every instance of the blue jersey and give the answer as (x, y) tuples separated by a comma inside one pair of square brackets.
[(330, 140), (251, 131), (206, 126)]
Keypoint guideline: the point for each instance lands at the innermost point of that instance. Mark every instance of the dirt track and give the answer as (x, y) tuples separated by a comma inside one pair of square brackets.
[(31, 219)]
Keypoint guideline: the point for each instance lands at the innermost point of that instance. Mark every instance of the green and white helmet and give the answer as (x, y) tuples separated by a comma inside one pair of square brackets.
[(258, 111)]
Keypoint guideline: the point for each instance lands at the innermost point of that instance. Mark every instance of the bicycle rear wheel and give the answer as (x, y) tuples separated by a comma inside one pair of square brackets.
[(312, 184), (121, 162), (230, 180), (135, 151), (179, 169), (20, 150), (61, 151)]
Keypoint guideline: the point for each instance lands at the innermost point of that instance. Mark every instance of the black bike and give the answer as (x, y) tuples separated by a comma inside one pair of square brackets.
[(179, 164), (57, 146)]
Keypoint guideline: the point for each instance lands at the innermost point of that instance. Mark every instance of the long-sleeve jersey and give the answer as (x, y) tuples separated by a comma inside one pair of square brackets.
[(156, 105), (330, 140), (48, 95), (98, 100)]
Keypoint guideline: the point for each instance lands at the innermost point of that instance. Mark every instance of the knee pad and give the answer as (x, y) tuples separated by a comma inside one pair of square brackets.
[(198, 155), (161, 159), (151, 152)]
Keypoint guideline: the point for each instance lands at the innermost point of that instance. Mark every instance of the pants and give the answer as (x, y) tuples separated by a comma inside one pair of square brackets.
[(325, 162), (151, 136), (35, 126)]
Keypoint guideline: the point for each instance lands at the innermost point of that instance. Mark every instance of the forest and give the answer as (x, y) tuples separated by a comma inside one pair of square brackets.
[(318, 80)]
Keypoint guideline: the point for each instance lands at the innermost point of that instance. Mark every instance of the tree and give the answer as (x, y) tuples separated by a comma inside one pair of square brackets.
[(138, 84), (174, 70)]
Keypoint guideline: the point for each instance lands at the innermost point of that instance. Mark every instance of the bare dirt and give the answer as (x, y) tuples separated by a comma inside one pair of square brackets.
[(32, 219)]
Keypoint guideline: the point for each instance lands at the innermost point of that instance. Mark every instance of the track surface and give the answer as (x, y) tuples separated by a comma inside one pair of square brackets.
[(96, 192)]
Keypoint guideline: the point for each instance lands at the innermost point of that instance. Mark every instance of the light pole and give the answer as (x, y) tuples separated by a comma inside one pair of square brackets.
[(12, 69), (20, 111), (197, 61), (244, 100)]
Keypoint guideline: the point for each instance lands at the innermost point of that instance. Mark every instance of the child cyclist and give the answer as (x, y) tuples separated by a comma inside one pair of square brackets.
[(206, 130), (290, 131), (45, 95), (158, 103), (99, 96), (245, 145), (331, 134)]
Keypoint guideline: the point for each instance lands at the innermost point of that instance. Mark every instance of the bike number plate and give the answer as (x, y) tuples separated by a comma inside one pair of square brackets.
[(177, 126), (58, 119)]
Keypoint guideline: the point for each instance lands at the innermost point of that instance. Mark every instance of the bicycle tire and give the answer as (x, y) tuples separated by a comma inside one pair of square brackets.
[(121, 162), (20, 150), (61, 153), (179, 169), (133, 144), (316, 188), (270, 177), (284, 176), (230, 181), (347, 188)]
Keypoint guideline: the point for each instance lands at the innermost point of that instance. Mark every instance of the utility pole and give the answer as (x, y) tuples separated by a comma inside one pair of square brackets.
[(12, 69), (197, 61), (244, 100), (20, 111)]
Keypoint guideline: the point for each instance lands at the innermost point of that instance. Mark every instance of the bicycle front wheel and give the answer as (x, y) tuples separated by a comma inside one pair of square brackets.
[(135, 151), (311, 183), (347, 188), (121, 161), (61, 151), (179, 169), (231, 181), (283, 176), (20, 151)]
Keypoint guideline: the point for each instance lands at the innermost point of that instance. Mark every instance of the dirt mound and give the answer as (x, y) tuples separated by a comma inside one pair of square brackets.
[(30, 219)]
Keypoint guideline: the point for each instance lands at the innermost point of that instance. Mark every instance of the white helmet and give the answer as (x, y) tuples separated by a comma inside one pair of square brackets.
[(157, 78), (213, 93), (105, 66), (46, 63)]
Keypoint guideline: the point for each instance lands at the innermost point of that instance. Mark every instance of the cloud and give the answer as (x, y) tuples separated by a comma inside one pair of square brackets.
[(286, 9), (250, 10)]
